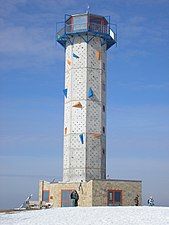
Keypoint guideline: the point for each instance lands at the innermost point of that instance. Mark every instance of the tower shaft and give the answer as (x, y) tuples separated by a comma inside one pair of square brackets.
[(84, 116)]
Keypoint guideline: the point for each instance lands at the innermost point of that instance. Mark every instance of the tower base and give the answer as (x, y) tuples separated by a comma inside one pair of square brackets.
[(92, 193)]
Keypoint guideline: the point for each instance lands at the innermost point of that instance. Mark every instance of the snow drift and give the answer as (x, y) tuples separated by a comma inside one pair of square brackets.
[(90, 216)]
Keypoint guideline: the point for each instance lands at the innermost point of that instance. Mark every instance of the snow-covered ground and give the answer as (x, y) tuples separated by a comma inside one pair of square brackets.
[(90, 216)]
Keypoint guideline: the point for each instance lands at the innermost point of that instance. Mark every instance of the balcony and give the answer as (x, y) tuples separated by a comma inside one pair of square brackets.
[(87, 24)]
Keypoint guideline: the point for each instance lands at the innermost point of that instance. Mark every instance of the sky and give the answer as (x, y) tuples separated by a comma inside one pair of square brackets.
[(31, 96)]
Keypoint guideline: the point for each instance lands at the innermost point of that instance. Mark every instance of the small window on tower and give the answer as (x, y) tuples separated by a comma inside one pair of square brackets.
[(103, 108), (103, 130), (104, 87), (103, 66)]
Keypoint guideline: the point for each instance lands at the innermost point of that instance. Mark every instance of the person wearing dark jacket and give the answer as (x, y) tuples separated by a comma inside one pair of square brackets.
[(74, 198), (150, 201), (136, 200)]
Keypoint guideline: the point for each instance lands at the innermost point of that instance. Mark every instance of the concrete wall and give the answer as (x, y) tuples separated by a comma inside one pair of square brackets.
[(94, 192), (75, 118), (88, 70)]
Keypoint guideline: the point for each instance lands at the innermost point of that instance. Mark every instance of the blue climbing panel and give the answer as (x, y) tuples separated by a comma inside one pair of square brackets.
[(65, 92), (81, 138), (75, 56), (90, 93)]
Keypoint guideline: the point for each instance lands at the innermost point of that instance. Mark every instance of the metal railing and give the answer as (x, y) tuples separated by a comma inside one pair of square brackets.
[(60, 32), (99, 28), (93, 27), (76, 27)]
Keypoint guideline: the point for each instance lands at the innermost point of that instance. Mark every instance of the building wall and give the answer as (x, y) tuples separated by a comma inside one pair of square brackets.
[(94, 192), (85, 161), (43, 185), (130, 189), (85, 193)]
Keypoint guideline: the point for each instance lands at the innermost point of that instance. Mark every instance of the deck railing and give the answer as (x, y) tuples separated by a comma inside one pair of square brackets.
[(82, 27)]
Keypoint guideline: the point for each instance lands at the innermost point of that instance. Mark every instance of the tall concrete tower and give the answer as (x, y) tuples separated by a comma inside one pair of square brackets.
[(86, 38)]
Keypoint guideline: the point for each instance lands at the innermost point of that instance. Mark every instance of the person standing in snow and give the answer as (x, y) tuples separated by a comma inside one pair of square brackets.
[(74, 198), (136, 200), (150, 201)]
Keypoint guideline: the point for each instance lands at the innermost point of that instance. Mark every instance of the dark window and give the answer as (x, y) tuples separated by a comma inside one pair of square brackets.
[(98, 24), (66, 200), (45, 196), (103, 130), (117, 196), (114, 198), (104, 87), (103, 108), (96, 20)]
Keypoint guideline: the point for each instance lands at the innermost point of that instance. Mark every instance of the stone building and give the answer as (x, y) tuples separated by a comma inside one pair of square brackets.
[(91, 193), (86, 39)]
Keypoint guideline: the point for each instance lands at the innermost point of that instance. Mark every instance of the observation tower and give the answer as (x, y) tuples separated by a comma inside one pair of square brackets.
[(86, 39)]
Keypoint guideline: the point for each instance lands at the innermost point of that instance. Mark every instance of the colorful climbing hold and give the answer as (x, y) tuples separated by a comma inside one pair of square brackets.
[(78, 105), (65, 92), (75, 56), (90, 93), (69, 61), (96, 135), (98, 55), (65, 130), (81, 138)]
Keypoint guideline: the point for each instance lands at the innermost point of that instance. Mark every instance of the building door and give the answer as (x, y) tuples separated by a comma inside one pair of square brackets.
[(65, 198), (114, 198), (45, 195)]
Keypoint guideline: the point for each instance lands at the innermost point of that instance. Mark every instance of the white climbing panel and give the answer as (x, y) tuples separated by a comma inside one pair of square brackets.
[(85, 68)]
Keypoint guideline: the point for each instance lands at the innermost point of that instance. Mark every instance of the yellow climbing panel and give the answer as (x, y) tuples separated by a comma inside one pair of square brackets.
[(96, 135), (78, 105), (98, 55), (69, 61)]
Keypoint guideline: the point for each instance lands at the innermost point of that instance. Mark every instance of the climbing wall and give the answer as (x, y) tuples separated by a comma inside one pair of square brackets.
[(85, 108), (75, 111), (95, 122)]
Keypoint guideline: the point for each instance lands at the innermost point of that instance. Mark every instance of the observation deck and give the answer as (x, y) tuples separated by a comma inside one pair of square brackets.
[(87, 26)]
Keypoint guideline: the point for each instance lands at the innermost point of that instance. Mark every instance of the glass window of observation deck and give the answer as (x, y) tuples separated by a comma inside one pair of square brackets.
[(98, 24), (79, 23)]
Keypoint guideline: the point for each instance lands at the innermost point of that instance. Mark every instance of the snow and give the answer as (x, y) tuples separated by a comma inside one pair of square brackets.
[(131, 215)]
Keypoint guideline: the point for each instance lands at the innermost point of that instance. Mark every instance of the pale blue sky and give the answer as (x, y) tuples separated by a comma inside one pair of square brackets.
[(31, 97)]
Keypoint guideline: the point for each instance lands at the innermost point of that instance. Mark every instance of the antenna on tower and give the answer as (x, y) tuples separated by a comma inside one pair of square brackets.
[(88, 7)]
